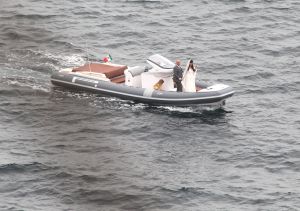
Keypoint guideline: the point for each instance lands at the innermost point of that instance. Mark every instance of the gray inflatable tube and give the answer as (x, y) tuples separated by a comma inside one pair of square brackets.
[(149, 96)]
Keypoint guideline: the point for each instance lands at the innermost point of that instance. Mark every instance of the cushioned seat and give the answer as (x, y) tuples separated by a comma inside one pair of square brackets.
[(110, 70), (118, 80)]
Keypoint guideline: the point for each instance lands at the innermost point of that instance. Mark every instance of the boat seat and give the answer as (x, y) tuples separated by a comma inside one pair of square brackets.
[(118, 80), (137, 70), (109, 70)]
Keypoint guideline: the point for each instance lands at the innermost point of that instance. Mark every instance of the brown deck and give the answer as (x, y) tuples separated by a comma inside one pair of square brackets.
[(110, 71)]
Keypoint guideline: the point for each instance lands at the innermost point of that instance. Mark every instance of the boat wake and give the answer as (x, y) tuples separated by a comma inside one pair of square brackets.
[(41, 61), (23, 85)]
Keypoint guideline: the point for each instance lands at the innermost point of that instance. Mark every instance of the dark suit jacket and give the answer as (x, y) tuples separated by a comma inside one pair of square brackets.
[(177, 73)]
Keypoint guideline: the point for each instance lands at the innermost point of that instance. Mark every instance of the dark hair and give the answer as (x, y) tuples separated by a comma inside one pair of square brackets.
[(192, 63)]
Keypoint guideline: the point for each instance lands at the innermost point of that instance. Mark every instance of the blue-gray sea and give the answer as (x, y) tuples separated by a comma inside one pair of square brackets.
[(67, 150)]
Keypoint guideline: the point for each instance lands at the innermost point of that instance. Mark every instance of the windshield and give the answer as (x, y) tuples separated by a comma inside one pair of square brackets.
[(161, 61)]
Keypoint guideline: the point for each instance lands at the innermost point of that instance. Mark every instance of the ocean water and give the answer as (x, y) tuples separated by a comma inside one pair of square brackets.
[(64, 150)]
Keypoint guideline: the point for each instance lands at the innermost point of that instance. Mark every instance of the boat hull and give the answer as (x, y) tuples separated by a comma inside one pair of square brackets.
[(149, 96)]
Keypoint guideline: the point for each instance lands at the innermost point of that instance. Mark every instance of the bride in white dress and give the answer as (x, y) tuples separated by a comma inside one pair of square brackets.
[(189, 77)]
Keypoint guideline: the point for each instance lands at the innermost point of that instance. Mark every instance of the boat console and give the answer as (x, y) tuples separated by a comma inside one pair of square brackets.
[(161, 72)]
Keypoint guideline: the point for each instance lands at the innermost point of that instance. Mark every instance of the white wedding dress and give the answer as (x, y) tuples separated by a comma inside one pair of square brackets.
[(189, 78)]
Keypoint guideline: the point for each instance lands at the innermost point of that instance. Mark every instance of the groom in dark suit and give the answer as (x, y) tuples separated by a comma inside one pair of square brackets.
[(177, 76)]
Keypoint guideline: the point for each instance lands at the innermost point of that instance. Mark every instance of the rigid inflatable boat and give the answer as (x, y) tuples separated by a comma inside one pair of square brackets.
[(152, 85)]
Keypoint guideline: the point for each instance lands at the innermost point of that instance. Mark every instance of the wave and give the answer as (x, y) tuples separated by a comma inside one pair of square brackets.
[(120, 44), (125, 17), (33, 16), (143, 1), (22, 86), (152, 4), (21, 168), (258, 76), (91, 178), (155, 24), (15, 35), (206, 114), (62, 175), (242, 9), (87, 14), (29, 36), (42, 61), (130, 34)]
